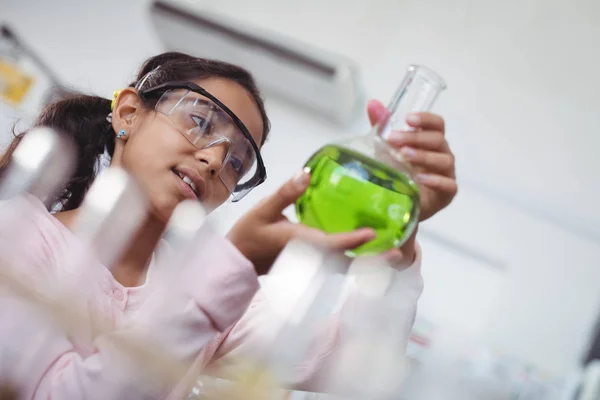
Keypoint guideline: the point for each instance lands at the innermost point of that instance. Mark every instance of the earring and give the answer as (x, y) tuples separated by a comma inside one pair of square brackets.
[(121, 134)]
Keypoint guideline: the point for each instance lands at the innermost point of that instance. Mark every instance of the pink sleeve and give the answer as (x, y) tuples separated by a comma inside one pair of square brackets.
[(248, 336), (214, 292)]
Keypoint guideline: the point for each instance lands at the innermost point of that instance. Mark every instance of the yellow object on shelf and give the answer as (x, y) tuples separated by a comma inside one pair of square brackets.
[(14, 83)]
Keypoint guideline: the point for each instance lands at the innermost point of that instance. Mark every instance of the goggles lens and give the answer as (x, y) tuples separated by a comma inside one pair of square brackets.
[(205, 125)]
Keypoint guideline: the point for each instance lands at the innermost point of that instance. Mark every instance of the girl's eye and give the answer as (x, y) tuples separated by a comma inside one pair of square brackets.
[(237, 164), (202, 123)]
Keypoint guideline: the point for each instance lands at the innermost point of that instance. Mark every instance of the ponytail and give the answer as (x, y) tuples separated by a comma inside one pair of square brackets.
[(83, 120)]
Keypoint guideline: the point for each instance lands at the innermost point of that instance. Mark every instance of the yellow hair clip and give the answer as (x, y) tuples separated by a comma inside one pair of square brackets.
[(114, 100)]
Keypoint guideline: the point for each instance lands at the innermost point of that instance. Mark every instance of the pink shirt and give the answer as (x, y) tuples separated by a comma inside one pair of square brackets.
[(204, 322)]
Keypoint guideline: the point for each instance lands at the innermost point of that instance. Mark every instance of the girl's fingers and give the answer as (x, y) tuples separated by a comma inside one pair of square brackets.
[(339, 241), (442, 163), (426, 140), (426, 121), (438, 182)]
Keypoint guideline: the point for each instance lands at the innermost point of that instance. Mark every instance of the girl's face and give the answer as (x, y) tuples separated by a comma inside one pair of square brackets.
[(158, 153)]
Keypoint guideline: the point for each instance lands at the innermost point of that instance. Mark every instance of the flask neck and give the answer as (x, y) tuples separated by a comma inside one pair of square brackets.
[(417, 92)]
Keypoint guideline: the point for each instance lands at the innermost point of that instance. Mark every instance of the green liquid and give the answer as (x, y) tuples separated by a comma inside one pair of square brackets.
[(349, 191)]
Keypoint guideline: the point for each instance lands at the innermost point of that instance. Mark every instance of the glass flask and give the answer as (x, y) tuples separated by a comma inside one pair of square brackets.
[(363, 181)]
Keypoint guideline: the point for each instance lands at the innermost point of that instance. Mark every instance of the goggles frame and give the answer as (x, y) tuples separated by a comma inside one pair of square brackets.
[(261, 173)]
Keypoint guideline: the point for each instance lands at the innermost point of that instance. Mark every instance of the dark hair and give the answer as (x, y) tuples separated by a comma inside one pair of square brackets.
[(83, 117)]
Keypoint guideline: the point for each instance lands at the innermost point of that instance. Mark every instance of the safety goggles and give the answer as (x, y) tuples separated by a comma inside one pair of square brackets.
[(206, 123)]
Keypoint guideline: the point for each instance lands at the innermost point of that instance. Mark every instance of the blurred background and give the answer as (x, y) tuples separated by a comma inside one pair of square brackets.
[(512, 268)]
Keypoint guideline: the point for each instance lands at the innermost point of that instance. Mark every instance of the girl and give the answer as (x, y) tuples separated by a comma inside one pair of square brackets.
[(187, 128)]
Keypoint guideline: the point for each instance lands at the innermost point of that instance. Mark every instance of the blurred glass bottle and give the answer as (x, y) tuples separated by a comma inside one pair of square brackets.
[(299, 296), (363, 181)]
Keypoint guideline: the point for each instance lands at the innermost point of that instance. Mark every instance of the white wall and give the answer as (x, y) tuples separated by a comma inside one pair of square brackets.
[(521, 101), (521, 113)]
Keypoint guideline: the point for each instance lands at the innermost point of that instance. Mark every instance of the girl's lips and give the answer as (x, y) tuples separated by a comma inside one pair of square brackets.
[(184, 188), (191, 183)]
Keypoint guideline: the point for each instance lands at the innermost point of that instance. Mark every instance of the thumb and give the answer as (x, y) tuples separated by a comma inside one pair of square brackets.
[(287, 194), (376, 111)]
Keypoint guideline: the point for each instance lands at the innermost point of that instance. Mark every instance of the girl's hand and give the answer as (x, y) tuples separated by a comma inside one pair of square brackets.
[(263, 232), (427, 150)]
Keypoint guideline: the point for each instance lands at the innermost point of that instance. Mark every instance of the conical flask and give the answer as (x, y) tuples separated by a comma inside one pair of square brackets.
[(363, 181)]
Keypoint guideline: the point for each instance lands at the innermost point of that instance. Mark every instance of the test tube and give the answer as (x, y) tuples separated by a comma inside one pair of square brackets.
[(185, 222), (371, 362), (308, 281), (110, 215), (418, 91), (184, 226), (303, 286), (40, 164)]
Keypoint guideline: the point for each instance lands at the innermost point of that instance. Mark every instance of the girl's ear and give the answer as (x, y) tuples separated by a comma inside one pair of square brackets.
[(126, 112)]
